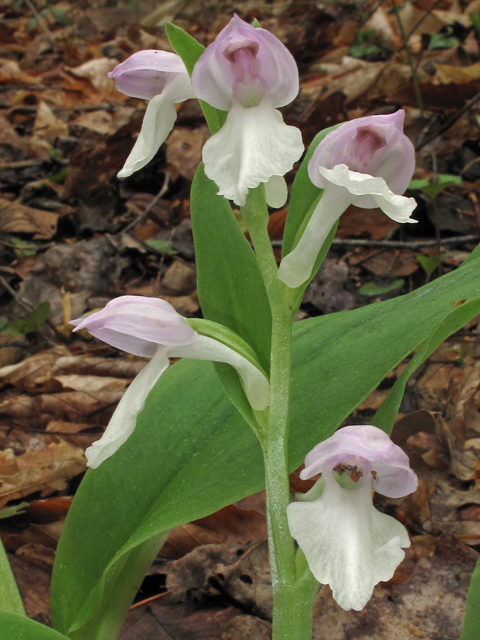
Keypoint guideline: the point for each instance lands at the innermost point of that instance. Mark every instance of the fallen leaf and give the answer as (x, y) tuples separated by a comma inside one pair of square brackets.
[(45, 470), (18, 218)]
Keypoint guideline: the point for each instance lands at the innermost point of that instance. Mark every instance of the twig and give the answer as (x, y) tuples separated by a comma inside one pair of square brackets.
[(393, 244), (14, 343), (450, 122), (41, 22), (143, 215), (142, 602), (16, 296), (37, 162), (424, 17), (81, 108), (410, 59)]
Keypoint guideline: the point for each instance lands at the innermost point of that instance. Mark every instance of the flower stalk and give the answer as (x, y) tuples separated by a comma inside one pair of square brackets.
[(292, 598)]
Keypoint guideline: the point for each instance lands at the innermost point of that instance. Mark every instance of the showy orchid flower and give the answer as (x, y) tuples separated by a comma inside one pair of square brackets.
[(152, 328), (161, 78), (348, 544), (368, 162), (248, 72)]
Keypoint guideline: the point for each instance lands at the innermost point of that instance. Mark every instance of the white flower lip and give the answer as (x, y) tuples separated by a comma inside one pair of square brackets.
[(252, 146), (348, 544), (249, 73)]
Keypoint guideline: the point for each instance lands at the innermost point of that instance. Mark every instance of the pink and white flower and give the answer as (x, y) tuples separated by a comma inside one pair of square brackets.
[(348, 544), (161, 78), (368, 162), (248, 72), (152, 328)]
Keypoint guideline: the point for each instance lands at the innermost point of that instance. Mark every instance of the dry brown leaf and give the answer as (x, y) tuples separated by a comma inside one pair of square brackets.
[(46, 129), (398, 263), (71, 406), (46, 470), (35, 374), (96, 71), (371, 222), (230, 524), (180, 279), (13, 146), (18, 218), (184, 149), (90, 384), (449, 74)]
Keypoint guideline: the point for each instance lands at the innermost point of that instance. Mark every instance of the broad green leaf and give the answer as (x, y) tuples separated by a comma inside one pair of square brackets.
[(229, 281), (230, 285), (192, 453), (471, 624), (10, 599), (304, 195), (190, 51), (18, 627)]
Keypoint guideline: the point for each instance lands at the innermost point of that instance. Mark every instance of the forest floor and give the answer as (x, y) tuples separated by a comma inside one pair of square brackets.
[(73, 236)]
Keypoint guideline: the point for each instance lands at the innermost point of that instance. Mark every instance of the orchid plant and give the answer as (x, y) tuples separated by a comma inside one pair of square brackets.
[(276, 388)]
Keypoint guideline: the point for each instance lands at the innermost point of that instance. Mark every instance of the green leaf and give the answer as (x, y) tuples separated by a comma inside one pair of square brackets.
[(18, 627), (23, 249), (190, 51), (15, 510), (10, 599), (372, 289), (190, 436), (230, 284), (471, 624), (455, 320), (304, 195), (429, 263), (432, 188), (161, 246), (225, 336), (442, 41), (31, 323)]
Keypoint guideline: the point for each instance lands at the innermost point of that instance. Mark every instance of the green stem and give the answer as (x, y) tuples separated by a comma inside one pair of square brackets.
[(255, 214), (292, 598)]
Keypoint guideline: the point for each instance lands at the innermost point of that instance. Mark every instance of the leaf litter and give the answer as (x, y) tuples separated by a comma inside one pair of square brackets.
[(74, 236)]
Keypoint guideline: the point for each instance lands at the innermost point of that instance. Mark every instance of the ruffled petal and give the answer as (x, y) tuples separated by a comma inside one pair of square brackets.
[(348, 544), (276, 192), (253, 145), (157, 123), (296, 267), (368, 192), (256, 385), (123, 421)]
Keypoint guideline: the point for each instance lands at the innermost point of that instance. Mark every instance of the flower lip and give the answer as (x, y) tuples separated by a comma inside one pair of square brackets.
[(368, 449)]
